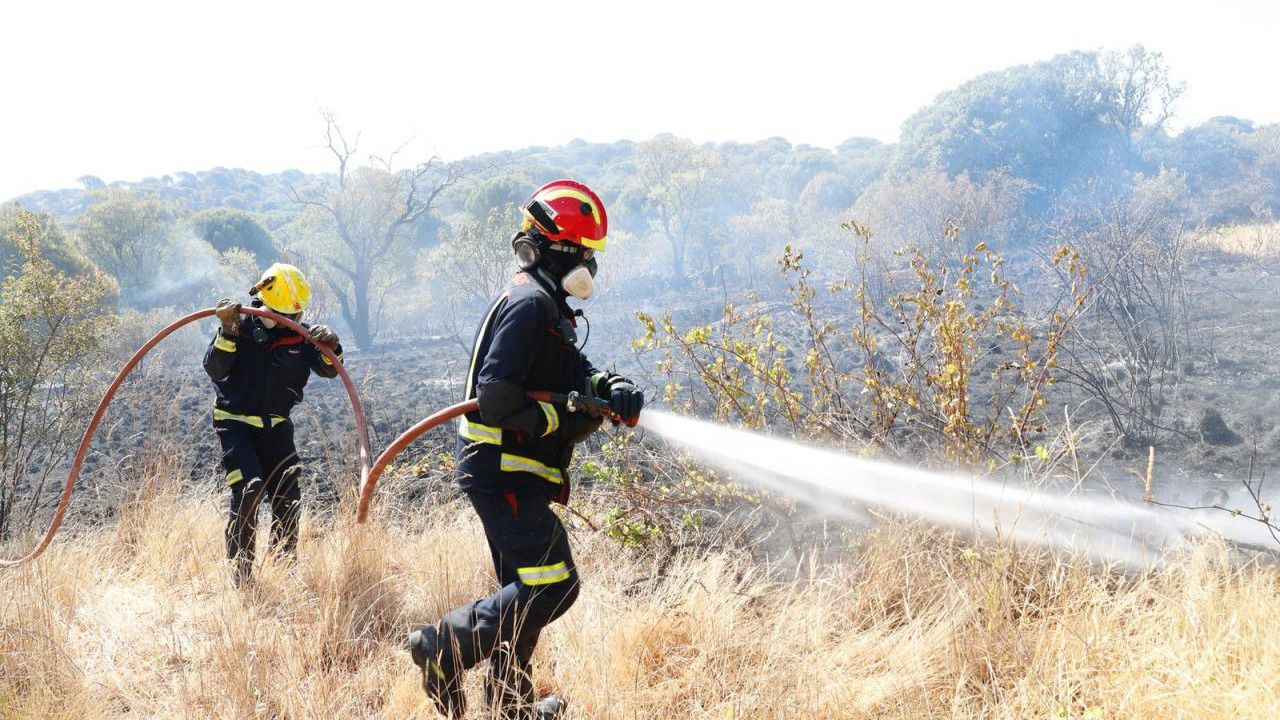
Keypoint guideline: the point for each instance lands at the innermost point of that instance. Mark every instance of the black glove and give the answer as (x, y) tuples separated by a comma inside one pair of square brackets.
[(324, 335), (625, 399), (228, 313)]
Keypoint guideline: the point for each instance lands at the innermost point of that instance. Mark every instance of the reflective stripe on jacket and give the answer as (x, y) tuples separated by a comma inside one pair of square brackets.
[(525, 342), (262, 379)]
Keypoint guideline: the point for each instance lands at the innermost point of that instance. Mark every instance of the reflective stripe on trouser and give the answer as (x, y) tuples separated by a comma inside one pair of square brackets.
[(254, 420), (525, 539), (285, 496), (260, 464), (543, 574)]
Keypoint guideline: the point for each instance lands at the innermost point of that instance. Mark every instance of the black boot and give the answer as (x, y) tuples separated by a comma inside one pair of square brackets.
[(441, 683), (242, 572), (551, 707), (509, 689), (241, 535)]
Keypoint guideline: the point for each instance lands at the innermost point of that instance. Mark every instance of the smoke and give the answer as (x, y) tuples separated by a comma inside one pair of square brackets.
[(192, 274), (1104, 528)]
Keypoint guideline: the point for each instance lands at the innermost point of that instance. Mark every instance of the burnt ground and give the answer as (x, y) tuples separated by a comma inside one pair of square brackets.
[(1229, 371), (1219, 413), (160, 424)]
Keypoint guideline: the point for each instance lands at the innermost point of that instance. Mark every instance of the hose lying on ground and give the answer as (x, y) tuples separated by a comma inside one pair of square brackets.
[(362, 431)]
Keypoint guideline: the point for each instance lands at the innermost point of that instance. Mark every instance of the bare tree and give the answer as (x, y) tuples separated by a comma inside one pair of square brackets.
[(467, 270), (1129, 348), (371, 211), (1142, 92), (917, 207), (475, 262), (681, 182)]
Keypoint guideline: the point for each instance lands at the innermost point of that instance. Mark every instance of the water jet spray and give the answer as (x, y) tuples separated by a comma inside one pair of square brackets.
[(1104, 528)]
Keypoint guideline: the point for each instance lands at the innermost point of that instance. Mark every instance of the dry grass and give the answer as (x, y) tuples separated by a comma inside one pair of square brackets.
[(1256, 240), (138, 619)]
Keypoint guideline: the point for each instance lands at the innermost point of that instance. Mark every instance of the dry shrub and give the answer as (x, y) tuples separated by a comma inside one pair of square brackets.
[(909, 623), (1259, 240)]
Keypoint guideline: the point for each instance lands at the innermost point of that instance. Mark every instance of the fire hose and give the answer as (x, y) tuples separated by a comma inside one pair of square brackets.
[(573, 402), (369, 475), (64, 502)]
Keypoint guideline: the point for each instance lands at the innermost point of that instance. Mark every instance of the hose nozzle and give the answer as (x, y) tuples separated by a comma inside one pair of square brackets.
[(578, 402), (592, 406)]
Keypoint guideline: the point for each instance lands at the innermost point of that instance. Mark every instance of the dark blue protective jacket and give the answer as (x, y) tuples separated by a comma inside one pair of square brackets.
[(262, 379), (526, 342)]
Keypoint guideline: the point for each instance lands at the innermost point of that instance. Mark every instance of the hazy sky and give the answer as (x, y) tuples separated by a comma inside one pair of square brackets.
[(123, 90)]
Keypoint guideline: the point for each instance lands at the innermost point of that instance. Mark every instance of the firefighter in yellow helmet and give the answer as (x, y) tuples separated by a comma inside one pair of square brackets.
[(259, 368)]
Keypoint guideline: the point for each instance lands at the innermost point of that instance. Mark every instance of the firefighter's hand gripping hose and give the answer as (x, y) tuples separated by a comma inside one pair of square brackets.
[(573, 402), (362, 431)]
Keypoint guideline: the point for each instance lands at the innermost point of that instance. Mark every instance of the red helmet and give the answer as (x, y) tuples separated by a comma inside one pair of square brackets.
[(567, 211)]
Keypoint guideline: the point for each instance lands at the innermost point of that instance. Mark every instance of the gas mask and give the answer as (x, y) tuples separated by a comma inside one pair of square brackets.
[(270, 323), (296, 317), (580, 281), (574, 265)]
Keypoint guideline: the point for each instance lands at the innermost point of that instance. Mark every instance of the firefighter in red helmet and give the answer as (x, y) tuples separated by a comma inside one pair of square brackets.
[(514, 455)]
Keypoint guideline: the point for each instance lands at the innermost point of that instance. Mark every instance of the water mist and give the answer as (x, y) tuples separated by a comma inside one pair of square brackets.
[(1103, 527)]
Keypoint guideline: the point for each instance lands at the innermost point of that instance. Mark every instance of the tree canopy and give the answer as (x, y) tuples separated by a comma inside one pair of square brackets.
[(227, 228), (999, 157), (55, 247), (1052, 123)]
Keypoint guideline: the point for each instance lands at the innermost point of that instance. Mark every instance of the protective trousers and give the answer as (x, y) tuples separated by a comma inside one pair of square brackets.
[(538, 581), (261, 463)]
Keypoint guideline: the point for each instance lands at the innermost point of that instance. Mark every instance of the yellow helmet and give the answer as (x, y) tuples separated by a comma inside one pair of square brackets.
[(283, 288)]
